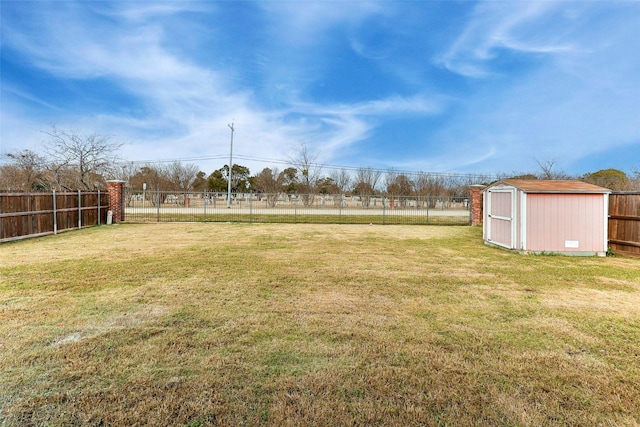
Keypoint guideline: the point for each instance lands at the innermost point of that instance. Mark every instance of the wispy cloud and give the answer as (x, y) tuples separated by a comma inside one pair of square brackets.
[(142, 12), (310, 22), (529, 27), (16, 93), (513, 81), (572, 100), (190, 103)]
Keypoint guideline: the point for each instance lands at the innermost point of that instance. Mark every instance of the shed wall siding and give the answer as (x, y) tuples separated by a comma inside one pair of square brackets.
[(501, 232), (501, 204), (500, 218), (520, 219), (554, 219)]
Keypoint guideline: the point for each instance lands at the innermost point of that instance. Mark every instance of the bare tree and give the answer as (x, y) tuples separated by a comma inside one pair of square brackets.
[(429, 187), (547, 170), (310, 173), (366, 181), (398, 185), (25, 172), (635, 178), (269, 182), (153, 177), (125, 171), (10, 178), (181, 176), (341, 178), (89, 156), (369, 177)]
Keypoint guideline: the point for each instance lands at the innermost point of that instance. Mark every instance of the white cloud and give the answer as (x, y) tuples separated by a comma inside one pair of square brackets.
[(187, 107), (310, 22), (577, 96), (142, 12), (514, 26)]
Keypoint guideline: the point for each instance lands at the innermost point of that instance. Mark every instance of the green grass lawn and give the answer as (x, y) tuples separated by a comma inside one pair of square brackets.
[(291, 324)]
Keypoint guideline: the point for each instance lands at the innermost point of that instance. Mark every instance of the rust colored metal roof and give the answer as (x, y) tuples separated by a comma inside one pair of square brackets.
[(553, 186)]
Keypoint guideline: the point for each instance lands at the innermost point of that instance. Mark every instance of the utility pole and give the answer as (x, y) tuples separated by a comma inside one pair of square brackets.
[(230, 166)]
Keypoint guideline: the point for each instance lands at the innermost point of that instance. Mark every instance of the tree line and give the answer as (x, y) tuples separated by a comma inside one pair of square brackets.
[(70, 161), (306, 182)]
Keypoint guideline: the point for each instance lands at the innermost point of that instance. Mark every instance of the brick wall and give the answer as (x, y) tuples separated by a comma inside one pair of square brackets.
[(477, 197), (115, 189)]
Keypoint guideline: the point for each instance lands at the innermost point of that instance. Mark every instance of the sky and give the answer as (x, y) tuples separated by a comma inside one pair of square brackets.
[(489, 87)]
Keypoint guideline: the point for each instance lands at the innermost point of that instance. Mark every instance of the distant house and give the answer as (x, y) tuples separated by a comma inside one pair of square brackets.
[(547, 216)]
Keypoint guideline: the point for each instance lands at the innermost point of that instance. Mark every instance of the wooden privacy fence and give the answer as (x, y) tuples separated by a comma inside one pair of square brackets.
[(25, 215), (624, 222)]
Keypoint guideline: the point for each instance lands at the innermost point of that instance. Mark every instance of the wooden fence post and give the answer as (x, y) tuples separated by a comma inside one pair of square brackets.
[(55, 213), (79, 209)]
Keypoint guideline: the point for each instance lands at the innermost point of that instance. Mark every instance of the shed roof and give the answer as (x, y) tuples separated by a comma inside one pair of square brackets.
[(553, 186)]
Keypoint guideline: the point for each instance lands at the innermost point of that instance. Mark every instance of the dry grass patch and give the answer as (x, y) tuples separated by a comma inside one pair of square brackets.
[(258, 324)]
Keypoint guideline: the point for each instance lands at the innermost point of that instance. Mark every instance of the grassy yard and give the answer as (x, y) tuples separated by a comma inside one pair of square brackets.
[(326, 325)]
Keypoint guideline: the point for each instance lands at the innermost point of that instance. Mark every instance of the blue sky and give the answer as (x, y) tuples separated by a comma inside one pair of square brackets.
[(451, 86)]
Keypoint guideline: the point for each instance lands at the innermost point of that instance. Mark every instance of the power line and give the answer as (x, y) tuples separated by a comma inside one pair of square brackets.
[(179, 159)]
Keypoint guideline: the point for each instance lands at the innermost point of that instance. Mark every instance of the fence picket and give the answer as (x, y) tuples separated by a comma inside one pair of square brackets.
[(624, 222)]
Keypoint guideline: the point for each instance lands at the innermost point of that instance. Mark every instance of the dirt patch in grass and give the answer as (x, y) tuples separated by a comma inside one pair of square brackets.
[(267, 324)]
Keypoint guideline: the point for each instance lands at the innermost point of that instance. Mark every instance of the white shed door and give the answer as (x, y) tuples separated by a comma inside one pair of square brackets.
[(501, 212)]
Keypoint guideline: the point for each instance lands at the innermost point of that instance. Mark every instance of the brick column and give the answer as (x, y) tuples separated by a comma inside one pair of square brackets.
[(115, 188), (477, 196)]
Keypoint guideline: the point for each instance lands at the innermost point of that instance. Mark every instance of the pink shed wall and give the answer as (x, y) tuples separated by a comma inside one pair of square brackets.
[(553, 219), (501, 204), (501, 232), (501, 227)]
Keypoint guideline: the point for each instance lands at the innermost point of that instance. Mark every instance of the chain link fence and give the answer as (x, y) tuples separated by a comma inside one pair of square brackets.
[(171, 206)]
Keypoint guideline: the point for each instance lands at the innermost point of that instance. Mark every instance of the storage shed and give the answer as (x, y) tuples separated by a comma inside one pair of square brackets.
[(551, 216)]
